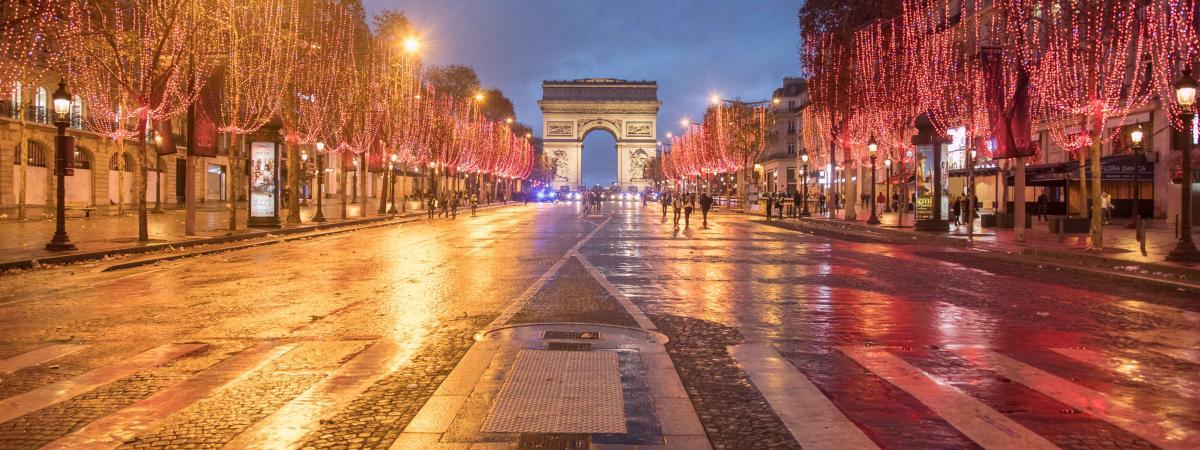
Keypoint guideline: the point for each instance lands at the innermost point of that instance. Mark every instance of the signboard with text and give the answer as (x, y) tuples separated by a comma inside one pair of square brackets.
[(263, 176)]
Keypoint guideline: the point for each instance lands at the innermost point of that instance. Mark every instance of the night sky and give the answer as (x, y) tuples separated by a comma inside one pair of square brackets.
[(692, 48)]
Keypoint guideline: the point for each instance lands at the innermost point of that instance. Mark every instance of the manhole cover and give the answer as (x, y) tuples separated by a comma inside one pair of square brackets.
[(571, 335), (559, 392), (570, 346)]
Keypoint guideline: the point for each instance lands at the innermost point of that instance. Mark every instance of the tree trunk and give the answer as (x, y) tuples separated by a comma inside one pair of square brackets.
[(383, 192), (141, 180), (1097, 206), (362, 183), (1083, 187), (342, 178), (850, 199), (23, 157), (293, 182), (231, 180), (121, 177)]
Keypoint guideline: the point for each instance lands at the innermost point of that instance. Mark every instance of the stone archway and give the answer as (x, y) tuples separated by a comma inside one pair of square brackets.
[(626, 109)]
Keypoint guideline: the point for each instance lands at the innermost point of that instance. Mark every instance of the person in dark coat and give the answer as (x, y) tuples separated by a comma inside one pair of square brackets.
[(770, 205), (706, 202)]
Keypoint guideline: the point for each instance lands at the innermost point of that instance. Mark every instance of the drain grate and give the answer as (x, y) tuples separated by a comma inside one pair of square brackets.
[(570, 346), (586, 335), (556, 441), (559, 392)]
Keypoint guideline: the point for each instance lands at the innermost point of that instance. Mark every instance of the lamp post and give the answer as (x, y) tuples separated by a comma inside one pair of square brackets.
[(873, 150), (1185, 98), (392, 169), (64, 152), (304, 164), (320, 215), (804, 171), (1136, 137), (887, 191), (158, 175)]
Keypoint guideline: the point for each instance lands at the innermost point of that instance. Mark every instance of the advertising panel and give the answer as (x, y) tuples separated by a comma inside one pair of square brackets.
[(263, 189)]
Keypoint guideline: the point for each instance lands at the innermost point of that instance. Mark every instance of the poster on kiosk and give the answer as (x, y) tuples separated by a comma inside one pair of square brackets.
[(264, 185), (924, 178)]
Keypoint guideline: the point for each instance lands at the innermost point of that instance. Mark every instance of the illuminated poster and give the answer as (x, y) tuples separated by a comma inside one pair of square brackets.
[(262, 179), (923, 179)]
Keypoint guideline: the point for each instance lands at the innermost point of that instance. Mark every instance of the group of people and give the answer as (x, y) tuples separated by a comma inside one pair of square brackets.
[(685, 203), (960, 208), (446, 205)]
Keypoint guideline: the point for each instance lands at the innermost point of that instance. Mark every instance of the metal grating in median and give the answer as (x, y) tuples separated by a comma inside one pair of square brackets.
[(549, 391), (571, 335), (570, 346)]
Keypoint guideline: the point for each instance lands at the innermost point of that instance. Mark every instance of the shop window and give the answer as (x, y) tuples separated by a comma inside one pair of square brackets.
[(35, 155)]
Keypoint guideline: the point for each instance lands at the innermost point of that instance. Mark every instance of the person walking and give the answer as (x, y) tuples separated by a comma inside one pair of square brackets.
[(821, 203), (431, 205), (665, 198), (474, 204), (454, 200), (706, 202), (689, 204), (770, 205), (644, 196), (797, 203), (880, 201), (1043, 203), (956, 209), (1106, 208), (676, 206)]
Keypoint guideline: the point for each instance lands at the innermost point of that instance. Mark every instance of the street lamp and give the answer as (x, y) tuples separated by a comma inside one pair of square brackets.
[(804, 173), (873, 150), (64, 153), (1135, 140), (411, 45), (887, 203), (392, 168), (320, 215), (304, 162), (1185, 99)]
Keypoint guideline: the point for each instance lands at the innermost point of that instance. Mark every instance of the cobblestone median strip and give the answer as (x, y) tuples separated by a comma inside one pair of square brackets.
[(984, 425), (28, 402), (812, 419), (138, 417)]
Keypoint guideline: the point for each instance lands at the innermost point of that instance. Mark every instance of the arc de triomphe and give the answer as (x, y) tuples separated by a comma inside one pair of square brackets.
[(573, 108)]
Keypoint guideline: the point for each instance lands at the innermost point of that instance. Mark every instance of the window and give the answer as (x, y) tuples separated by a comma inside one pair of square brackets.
[(791, 149), (83, 159), (77, 113), (36, 155), (791, 127), (16, 99), (41, 105), (791, 105)]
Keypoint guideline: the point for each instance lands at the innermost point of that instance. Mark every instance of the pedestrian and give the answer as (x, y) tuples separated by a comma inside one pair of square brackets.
[(821, 203), (895, 201), (863, 199), (1043, 203), (769, 204), (956, 209), (880, 200), (1106, 208), (797, 201), (676, 206), (689, 204), (430, 205), (525, 198), (444, 201), (454, 199), (474, 204), (706, 202), (665, 198)]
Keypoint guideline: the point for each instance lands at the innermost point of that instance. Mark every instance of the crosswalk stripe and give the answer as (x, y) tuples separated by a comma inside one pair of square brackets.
[(1185, 387), (1159, 431), (38, 356), (22, 404), (287, 427), (982, 424), (813, 420), (141, 416)]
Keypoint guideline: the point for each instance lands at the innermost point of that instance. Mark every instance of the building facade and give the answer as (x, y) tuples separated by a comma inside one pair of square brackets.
[(780, 161)]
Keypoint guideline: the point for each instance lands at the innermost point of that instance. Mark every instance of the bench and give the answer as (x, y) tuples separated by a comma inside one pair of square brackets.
[(87, 210)]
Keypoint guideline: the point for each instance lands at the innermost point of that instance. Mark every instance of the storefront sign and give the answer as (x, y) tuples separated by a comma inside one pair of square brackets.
[(263, 189)]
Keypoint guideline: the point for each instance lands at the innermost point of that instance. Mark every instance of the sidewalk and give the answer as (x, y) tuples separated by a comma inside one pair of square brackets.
[(22, 241), (1121, 248)]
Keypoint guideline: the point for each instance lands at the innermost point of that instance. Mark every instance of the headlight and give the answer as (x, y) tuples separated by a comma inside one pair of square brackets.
[(541, 195), (552, 195)]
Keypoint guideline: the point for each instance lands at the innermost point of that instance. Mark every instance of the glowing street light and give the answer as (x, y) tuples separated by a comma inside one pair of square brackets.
[(411, 44), (873, 150), (64, 152)]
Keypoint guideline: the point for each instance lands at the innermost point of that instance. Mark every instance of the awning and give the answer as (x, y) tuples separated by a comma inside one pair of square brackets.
[(1112, 168)]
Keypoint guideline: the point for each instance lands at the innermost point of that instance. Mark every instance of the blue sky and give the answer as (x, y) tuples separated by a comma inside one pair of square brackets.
[(693, 48)]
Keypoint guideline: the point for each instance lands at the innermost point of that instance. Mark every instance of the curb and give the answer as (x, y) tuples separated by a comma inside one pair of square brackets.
[(1181, 278), (333, 227)]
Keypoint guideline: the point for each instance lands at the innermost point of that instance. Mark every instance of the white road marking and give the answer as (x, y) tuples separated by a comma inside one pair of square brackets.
[(1133, 369), (982, 424), (288, 426), (22, 404), (637, 314), (38, 356), (1159, 431), (144, 414), (813, 420)]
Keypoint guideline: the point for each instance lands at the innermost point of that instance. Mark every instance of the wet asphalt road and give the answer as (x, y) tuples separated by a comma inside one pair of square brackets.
[(837, 311)]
